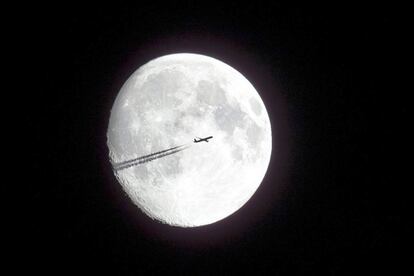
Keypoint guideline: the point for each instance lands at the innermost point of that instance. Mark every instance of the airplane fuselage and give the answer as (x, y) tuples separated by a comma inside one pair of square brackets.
[(202, 139)]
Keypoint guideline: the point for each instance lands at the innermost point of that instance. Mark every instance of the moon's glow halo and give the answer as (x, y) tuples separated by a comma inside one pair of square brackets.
[(169, 101)]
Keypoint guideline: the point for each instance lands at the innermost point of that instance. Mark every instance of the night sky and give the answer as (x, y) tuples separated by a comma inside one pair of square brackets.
[(329, 203)]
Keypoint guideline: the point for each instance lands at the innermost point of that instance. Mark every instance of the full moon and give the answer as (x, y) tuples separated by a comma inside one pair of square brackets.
[(171, 101)]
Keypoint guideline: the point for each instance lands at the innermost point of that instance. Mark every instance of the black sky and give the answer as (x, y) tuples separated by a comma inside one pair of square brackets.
[(329, 203)]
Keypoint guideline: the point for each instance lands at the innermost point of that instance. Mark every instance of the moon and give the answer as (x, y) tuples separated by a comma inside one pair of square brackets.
[(168, 102)]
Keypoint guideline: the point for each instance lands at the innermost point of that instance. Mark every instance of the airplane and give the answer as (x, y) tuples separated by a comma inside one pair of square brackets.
[(202, 139)]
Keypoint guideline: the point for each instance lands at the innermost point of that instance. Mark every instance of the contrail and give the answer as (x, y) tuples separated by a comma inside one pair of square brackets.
[(145, 156), (148, 158)]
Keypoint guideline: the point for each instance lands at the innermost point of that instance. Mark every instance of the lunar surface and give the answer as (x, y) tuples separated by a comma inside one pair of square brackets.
[(167, 103)]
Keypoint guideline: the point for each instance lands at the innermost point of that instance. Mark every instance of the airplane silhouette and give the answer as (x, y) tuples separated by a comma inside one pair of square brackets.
[(202, 139)]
